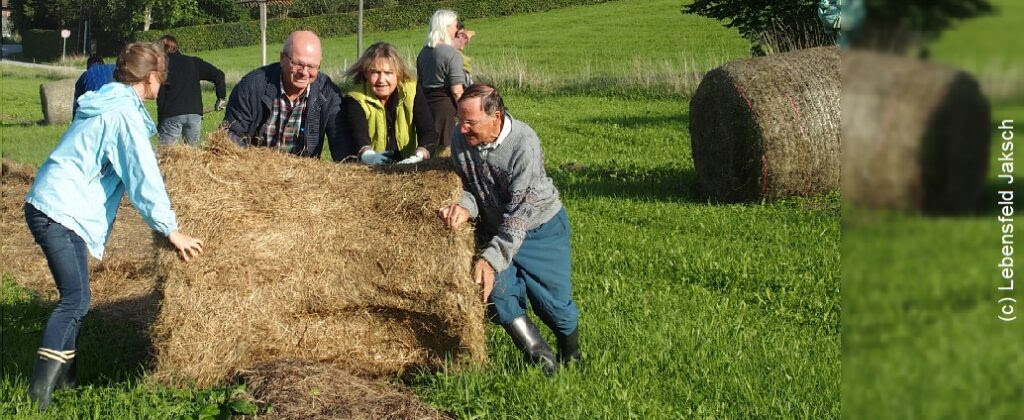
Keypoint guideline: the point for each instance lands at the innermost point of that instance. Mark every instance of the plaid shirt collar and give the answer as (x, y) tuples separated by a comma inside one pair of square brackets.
[(284, 129)]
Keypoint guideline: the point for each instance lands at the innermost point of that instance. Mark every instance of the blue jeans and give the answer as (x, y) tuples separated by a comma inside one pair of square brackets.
[(68, 259), (540, 272), (173, 128)]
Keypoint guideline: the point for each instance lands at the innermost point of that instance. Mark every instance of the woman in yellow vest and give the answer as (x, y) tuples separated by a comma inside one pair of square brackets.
[(384, 114)]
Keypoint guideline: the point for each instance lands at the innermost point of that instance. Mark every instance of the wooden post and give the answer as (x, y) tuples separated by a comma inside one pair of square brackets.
[(359, 42), (85, 38), (263, 29)]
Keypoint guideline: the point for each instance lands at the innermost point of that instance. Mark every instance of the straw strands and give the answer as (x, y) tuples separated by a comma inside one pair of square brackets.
[(342, 264)]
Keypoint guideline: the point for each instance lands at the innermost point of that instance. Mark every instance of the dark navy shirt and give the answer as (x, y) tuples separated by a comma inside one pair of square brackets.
[(94, 78)]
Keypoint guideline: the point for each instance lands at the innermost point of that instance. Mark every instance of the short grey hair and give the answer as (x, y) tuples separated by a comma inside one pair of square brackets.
[(439, 23), (490, 98), (286, 49)]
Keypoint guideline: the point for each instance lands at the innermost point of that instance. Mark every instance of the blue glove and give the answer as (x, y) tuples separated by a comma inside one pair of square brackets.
[(411, 159), (370, 157)]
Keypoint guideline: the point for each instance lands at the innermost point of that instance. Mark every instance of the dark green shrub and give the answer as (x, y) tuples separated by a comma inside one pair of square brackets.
[(42, 45)]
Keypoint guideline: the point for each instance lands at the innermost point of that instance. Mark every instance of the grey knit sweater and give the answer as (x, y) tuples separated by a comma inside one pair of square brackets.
[(508, 187)]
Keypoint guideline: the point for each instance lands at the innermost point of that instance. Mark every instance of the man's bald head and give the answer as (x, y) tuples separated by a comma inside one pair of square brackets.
[(303, 43), (300, 61)]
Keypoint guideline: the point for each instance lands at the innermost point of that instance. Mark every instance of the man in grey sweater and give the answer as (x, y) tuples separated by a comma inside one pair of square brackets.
[(523, 229)]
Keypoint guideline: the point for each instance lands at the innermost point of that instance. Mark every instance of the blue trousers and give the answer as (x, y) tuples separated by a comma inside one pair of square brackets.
[(180, 126), (540, 272), (68, 259)]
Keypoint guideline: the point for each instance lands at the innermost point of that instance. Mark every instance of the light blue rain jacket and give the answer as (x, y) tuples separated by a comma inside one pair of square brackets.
[(105, 153)]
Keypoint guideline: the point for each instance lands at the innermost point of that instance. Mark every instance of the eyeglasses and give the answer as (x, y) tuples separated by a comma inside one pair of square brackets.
[(472, 123), (299, 66)]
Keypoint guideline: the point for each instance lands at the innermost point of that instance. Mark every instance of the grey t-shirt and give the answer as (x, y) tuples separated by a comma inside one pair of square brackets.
[(439, 67)]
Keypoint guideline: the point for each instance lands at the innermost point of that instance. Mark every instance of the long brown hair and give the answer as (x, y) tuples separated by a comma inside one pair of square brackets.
[(380, 50), (137, 60)]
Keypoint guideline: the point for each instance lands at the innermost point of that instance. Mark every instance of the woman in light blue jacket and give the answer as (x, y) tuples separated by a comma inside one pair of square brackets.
[(71, 206)]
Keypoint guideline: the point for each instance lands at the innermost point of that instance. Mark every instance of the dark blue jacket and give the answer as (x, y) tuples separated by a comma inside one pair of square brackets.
[(253, 97), (94, 78)]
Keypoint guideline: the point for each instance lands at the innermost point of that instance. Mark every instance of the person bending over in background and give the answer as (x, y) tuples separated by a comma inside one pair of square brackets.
[(71, 206), (288, 105), (462, 37), (385, 116), (180, 104), (522, 225), (441, 75), (95, 76)]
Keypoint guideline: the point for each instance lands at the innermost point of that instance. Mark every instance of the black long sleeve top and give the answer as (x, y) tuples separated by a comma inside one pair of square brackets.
[(181, 93)]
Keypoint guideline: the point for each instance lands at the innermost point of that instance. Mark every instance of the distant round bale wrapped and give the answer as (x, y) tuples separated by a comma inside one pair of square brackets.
[(57, 98), (916, 135), (768, 127), (334, 263)]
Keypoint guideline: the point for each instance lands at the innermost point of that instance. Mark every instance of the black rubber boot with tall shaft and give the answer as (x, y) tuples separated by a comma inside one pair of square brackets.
[(528, 339), (68, 374), (45, 374), (569, 347)]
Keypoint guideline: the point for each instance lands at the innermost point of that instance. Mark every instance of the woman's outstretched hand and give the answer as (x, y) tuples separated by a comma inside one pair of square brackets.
[(187, 246)]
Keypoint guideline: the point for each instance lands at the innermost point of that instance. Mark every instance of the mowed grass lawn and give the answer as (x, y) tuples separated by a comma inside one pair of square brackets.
[(688, 308)]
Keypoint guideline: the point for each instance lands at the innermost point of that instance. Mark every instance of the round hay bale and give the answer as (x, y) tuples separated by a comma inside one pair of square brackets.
[(335, 263), (916, 135), (57, 98), (768, 127), (305, 390)]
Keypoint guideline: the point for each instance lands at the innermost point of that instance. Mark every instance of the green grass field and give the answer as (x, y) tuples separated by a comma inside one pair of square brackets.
[(688, 309), (600, 47)]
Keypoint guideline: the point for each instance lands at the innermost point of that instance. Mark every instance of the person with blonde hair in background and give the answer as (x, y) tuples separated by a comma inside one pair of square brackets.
[(439, 68), (71, 206), (385, 114)]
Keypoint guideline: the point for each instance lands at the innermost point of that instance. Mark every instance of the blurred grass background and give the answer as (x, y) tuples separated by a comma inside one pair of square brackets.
[(921, 337)]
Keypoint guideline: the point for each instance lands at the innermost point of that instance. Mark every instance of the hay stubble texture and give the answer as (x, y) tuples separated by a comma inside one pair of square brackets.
[(123, 283)]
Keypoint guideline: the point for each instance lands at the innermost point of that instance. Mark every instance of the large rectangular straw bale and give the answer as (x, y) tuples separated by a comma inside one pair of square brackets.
[(313, 260)]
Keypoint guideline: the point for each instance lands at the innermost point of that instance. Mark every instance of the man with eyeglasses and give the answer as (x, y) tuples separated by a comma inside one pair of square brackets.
[(522, 225), (289, 105)]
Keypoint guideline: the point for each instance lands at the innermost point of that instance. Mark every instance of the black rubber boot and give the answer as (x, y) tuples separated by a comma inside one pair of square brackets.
[(68, 374), (569, 347), (44, 378), (529, 341)]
